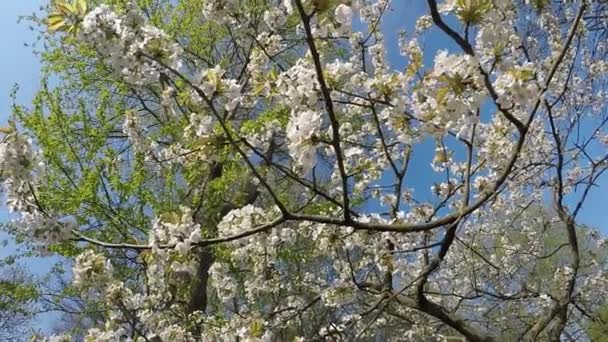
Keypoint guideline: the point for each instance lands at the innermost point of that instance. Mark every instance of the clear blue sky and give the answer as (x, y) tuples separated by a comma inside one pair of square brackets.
[(17, 63)]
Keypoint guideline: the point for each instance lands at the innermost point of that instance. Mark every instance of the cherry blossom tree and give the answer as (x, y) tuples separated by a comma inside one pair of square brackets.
[(261, 176)]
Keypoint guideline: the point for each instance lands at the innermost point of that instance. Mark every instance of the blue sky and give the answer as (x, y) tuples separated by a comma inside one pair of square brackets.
[(17, 64)]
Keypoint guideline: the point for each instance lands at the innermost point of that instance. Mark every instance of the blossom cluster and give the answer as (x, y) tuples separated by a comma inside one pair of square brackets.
[(137, 52), (20, 171)]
